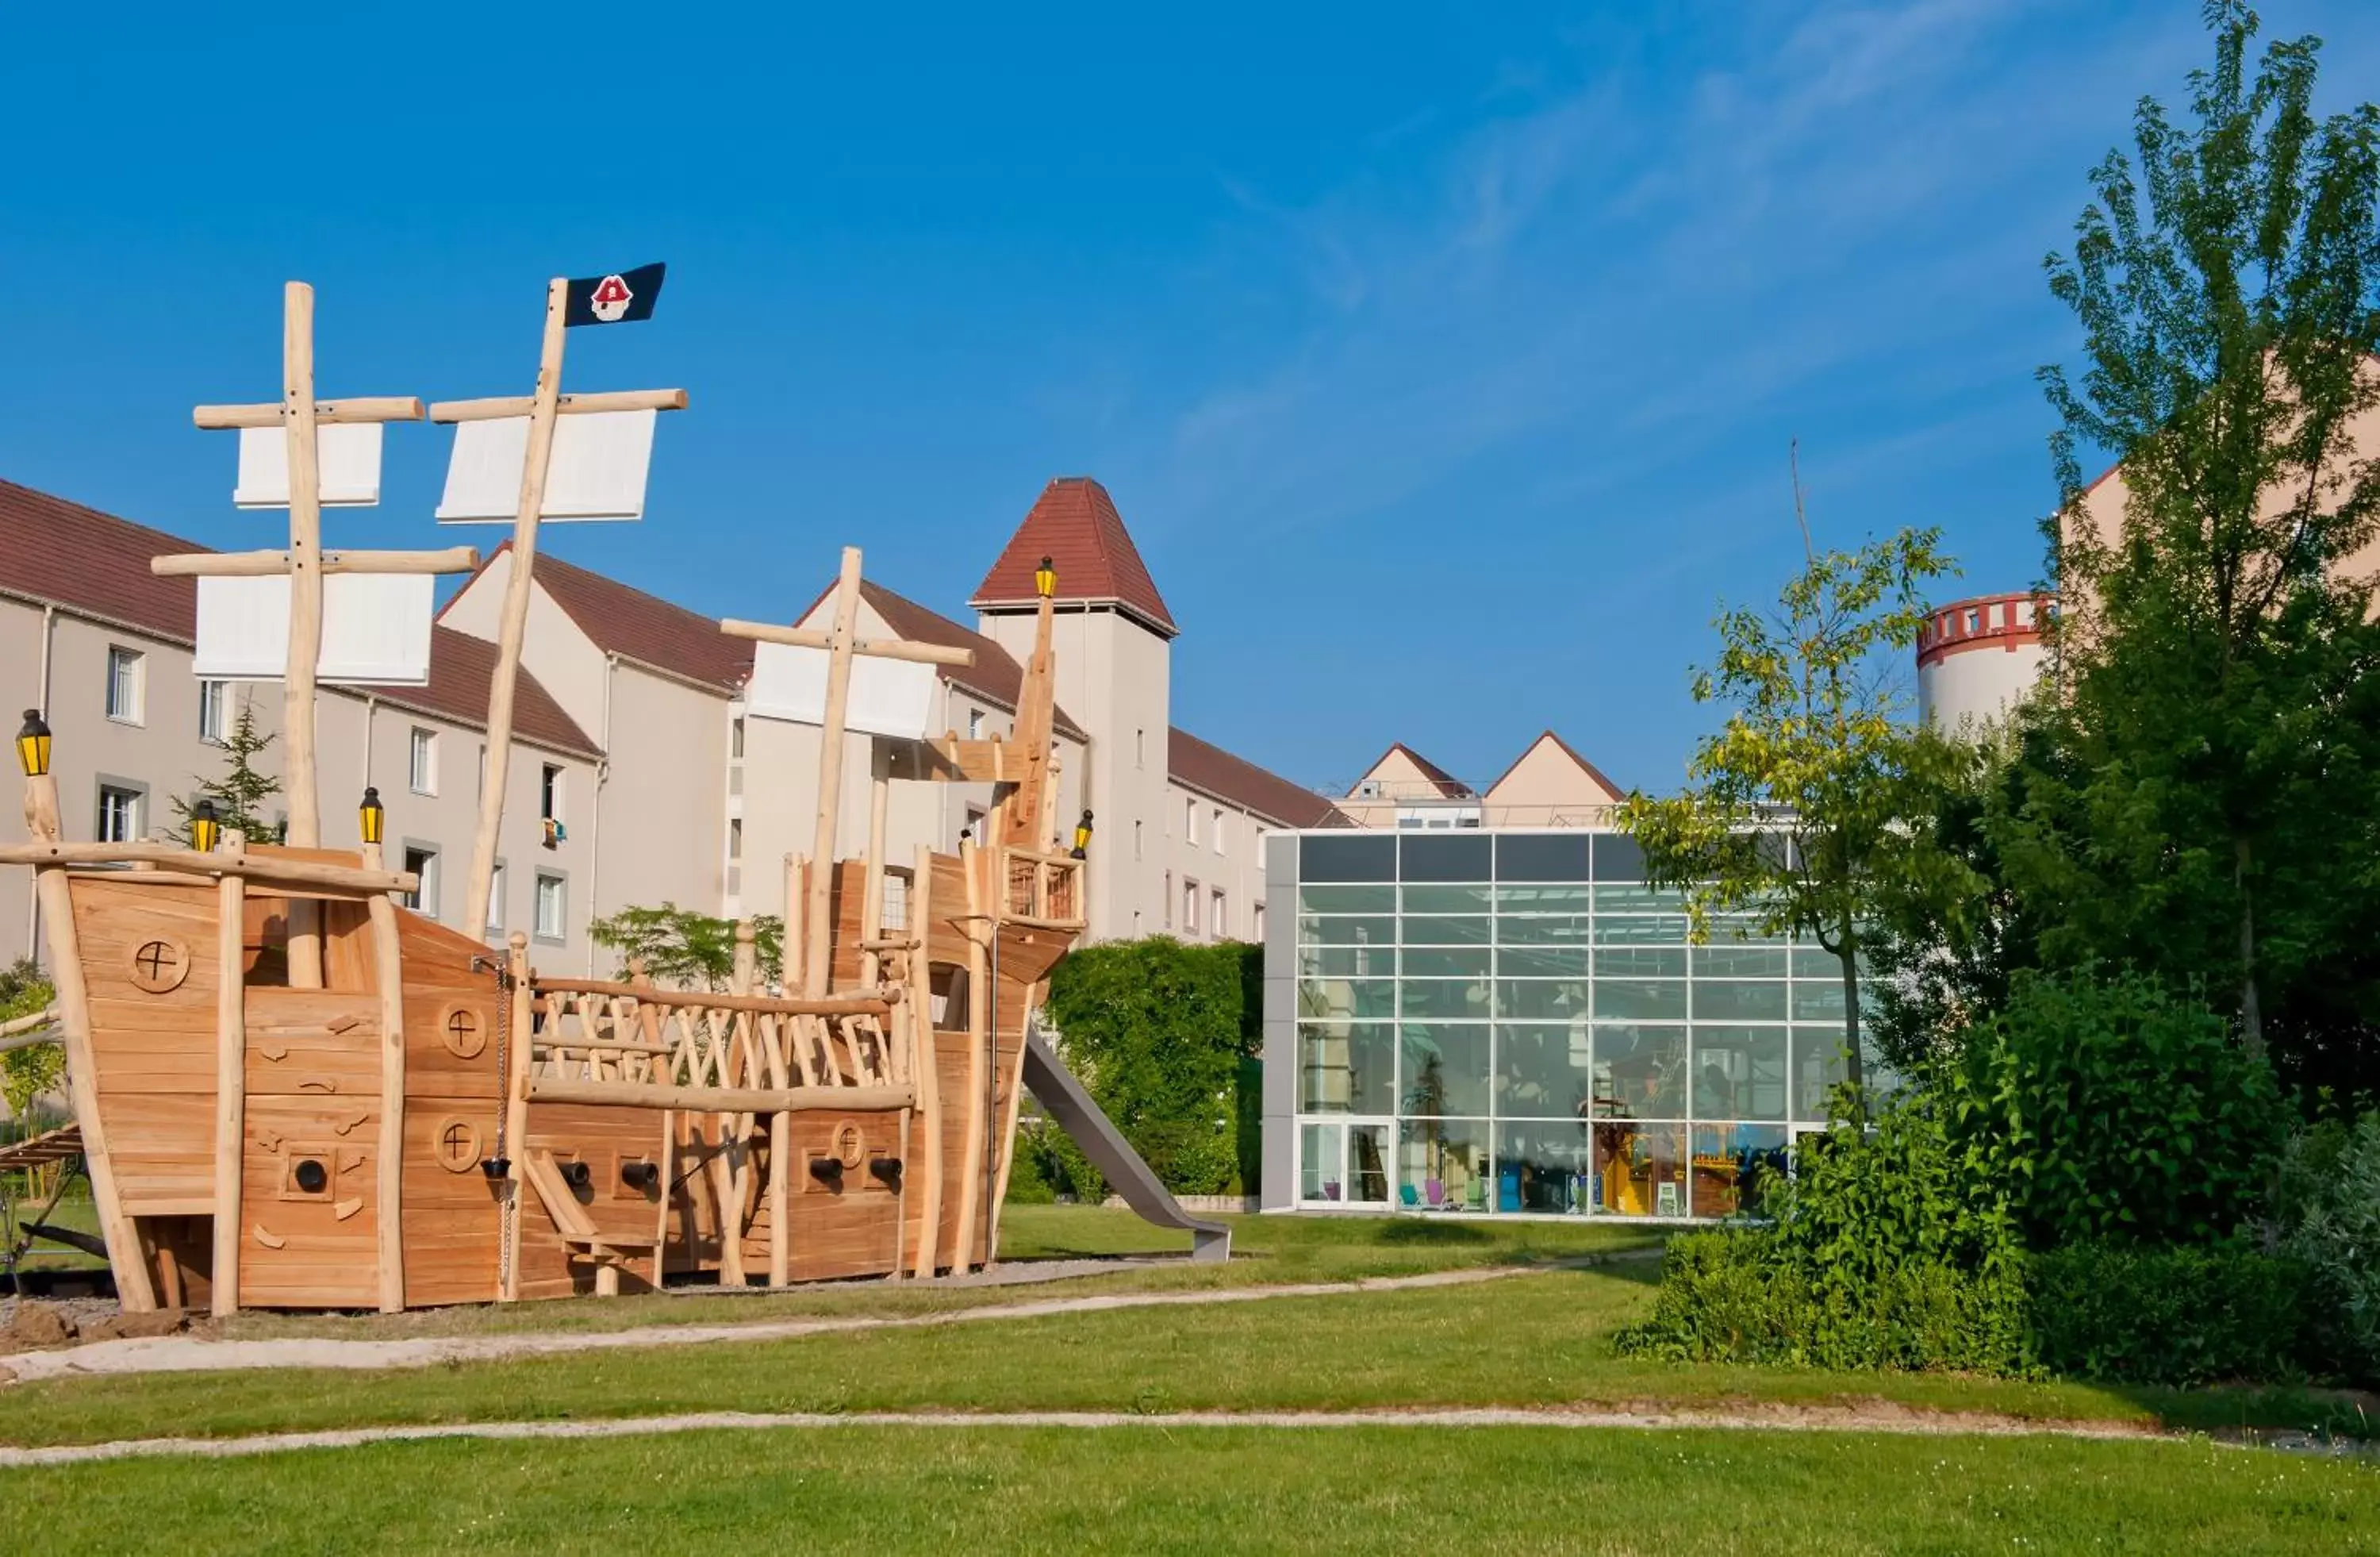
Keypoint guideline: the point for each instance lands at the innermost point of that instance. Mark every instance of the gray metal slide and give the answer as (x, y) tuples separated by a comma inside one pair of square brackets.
[(1071, 1107)]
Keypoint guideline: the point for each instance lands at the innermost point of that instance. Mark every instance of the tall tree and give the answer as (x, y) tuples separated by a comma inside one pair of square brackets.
[(1800, 809), (240, 792), (2210, 807)]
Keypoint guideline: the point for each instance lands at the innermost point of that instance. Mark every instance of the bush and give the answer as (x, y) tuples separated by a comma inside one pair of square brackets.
[(1158, 1032), (2329, 1222), (2136, 1315), (2105, 1107)]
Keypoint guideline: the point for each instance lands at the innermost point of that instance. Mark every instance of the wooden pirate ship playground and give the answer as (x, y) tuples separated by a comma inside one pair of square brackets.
[(291, 1091)]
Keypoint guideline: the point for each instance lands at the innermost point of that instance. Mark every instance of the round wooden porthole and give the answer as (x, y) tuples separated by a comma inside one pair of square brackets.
[(464, 1032), (160, 964), (850, 1146), (458, 1144)]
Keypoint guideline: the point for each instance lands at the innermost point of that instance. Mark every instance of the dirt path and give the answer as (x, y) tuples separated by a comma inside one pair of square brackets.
[(1874, 1416), (184, 1354)]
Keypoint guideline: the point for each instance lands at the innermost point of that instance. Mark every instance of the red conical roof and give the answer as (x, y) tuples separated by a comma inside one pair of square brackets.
[(1076, 525)]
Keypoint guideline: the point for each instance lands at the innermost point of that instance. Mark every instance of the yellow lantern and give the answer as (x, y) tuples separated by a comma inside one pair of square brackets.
[(1083, 837), (372, 816), (33, 745), (204, 829), (1045, 580)]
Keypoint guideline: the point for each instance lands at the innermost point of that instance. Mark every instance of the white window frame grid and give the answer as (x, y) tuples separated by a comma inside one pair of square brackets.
[(421, 759), (127, 697), (134, 812), (561, 885), (214, 711)]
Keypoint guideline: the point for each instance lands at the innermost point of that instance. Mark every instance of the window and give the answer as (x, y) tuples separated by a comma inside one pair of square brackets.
[(975, 724), (1259, 923), (422, 862), (549, 791), (1221, 923), (212, 723), (974, 828), (1189, 907), (421, 762), (736, 738), (734, 837), (1190, 821), (896, 899), (124, 685), (481, 793), (496, 896), (1219, 837), (552, 904), (119, 813)]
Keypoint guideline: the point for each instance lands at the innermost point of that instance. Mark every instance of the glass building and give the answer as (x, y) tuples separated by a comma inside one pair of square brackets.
[(1509, 1022)]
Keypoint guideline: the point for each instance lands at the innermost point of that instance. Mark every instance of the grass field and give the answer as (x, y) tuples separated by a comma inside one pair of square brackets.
[(1152, 1489)]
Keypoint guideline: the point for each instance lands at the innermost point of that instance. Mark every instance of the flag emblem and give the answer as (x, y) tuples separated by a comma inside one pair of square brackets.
[(619, 297), (610, 300)]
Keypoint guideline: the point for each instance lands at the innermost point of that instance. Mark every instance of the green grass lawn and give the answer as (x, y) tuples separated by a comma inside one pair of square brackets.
[(1153, 1489), (1539, 1340), (76, 1211), (1266, 1251)]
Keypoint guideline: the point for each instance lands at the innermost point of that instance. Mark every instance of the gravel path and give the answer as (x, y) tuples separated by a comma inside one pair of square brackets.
[(186, 1354), (1857, 1418)]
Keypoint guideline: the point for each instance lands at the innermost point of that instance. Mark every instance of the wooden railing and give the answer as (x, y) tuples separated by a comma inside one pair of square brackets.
[(640, 1045), (1043, 889)]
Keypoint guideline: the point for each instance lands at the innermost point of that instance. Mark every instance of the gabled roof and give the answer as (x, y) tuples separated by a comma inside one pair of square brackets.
[(995, 676), (1446, 784), (624, 620), (1207, 767), (1074, 524), (63, 554), (1567, 750)]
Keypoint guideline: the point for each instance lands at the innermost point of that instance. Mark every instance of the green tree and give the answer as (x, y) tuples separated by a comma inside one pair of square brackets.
[(240, 792), (2206, 801), (1805, 810), (686, 949), (27, 1073)]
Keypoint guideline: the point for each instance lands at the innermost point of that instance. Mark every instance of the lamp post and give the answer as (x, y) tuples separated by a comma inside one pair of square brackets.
[(41, 789), (204, 827), (371, 817), (1045, 581), (33, 745), (1082, 849)]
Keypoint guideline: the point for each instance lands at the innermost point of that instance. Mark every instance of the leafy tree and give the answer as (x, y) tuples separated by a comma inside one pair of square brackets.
[(1807, 809), (27, 1073), (2206, 796), (684, 948), (240, 793)]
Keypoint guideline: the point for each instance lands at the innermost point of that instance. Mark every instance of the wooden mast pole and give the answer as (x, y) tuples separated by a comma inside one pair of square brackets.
[(819, 931), (543, 408), (925, 1063), (305, 616), (389, 974), (231, 1076)]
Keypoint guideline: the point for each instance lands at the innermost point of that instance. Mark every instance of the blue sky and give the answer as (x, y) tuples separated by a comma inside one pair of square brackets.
[(1444, 358)]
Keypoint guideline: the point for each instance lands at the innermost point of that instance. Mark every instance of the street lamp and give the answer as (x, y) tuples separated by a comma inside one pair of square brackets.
[(372, 816), (1045, 580), (33, 745), (204, 829), (1083, 837)]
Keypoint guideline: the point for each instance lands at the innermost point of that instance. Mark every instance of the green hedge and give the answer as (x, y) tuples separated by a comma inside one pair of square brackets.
[(2115, 1312), (1164, 1034)]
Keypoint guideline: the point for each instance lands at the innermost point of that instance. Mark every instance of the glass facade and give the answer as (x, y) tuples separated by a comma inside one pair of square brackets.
[(1514, 1022)]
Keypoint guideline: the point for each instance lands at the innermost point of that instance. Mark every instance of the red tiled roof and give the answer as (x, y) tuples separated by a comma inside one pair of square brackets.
[(995, 675), (63, 552), (1203, 766), (1567, 750), (1076, 525), (624, 620)]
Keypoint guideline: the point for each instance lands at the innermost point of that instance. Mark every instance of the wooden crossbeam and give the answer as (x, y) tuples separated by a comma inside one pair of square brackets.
[(258, 565), (497, 408), (878, 648), (262, 869), (363, 408)]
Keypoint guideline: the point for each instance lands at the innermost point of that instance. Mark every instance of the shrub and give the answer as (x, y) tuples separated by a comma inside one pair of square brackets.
[(37, 1069), (2329, 1222), (2105, 1107), (2142, 1315), (1158, 1031)]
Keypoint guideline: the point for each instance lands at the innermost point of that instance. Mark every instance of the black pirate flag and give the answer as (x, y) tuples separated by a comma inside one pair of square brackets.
[(622, 298)]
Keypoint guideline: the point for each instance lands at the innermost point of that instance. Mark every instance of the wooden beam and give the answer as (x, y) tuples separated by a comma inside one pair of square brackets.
[(305, 943), (231, 1079), (514, 1142), (255, 565), (719, 1100), (513, 623), (781, 1124), (499, 406), (361, 408), (818, 927), (925, 1068), (259, 869), (388, 969), (879, 648), (973, 865), (854, 1003)]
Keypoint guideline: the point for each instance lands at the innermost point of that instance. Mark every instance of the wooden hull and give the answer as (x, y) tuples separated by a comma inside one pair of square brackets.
[(620, 1198)]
